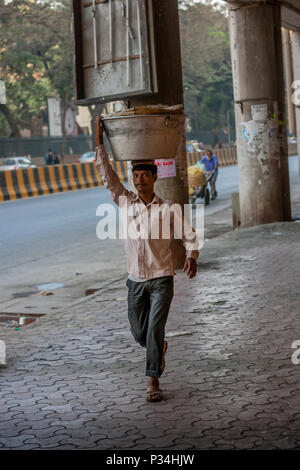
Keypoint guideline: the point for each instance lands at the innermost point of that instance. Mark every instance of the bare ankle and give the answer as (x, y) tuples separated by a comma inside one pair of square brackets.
[(153, 381)]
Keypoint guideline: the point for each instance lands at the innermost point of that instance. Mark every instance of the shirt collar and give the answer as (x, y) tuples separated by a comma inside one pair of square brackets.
[(155, 200)]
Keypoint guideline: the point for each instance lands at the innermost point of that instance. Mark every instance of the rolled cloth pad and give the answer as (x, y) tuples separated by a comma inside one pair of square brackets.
[(151, 109)]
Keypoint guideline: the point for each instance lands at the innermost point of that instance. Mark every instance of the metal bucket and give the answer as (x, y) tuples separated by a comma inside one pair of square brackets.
[(144, 136)]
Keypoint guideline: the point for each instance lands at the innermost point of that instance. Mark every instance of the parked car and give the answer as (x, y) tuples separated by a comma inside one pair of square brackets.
[(87, 157), (91, 157), (14, 163), (193, 146)]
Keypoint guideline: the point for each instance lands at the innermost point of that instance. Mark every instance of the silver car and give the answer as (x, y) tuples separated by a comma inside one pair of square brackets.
[(87, 157), (14, 163), (91, 157)]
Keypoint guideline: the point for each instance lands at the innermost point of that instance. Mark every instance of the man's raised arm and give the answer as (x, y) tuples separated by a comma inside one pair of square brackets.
[(109, 177)]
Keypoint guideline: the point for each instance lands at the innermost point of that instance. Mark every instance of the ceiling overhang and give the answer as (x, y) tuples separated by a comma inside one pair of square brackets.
[(290, 11)]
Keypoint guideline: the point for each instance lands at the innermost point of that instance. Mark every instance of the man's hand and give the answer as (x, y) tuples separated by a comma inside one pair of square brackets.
[(99, 130), (190, 267)]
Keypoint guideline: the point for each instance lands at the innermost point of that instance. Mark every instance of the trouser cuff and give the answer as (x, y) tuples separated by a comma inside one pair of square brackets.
[(153, 373)]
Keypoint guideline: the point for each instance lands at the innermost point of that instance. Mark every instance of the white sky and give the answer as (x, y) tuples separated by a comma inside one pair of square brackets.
[(217, 3)]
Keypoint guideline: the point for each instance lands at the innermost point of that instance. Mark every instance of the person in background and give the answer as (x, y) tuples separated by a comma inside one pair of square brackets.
[(211, 166), (48, 157), (28, 156), (56, 160)]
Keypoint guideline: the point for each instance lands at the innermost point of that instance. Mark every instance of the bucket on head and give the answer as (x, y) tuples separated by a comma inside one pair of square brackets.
[(142, 137)]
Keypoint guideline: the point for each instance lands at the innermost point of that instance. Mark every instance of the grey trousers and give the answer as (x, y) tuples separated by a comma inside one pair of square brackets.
[(148, 308), (212, 183)]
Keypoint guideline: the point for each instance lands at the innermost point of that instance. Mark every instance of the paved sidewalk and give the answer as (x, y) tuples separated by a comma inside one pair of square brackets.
[(75, 379)]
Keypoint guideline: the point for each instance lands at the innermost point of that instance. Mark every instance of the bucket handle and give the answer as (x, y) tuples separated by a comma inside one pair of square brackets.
[(171, 123)]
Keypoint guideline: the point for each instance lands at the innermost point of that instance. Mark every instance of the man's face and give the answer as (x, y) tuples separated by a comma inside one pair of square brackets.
[(209, 154), (144, 180)]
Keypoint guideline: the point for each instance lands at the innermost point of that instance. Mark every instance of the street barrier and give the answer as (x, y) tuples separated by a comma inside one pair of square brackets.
[(225, 157), (23, 183)]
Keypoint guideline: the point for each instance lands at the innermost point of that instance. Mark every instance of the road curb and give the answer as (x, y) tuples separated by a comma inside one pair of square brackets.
[(101, 286)]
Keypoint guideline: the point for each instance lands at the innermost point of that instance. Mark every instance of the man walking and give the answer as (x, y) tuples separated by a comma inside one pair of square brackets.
[(211, 166), (149, 258)]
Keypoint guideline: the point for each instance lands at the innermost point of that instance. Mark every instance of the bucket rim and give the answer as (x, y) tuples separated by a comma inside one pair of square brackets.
[(144, 116)]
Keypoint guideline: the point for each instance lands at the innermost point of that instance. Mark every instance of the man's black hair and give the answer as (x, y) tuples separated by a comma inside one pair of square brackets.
[(145, 166)]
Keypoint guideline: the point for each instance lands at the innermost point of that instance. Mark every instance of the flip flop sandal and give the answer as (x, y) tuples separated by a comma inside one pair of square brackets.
[(154, 396), (163, 361)]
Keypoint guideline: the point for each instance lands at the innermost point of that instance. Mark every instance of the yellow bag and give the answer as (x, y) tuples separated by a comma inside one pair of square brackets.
[(196, 176)]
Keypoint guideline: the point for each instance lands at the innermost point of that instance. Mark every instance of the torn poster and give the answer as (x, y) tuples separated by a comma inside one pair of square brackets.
[(261, 139), (259, 112), (165, 168)]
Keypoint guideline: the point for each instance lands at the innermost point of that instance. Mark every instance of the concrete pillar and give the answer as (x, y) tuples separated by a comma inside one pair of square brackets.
[(296, 72), (170, 90), (287, 54), (257, 65)]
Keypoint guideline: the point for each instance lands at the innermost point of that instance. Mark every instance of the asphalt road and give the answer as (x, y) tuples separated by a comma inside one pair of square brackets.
[(53, 238), (34, 227)]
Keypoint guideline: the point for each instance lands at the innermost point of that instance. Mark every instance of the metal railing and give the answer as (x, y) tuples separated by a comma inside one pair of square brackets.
[(38, 146)]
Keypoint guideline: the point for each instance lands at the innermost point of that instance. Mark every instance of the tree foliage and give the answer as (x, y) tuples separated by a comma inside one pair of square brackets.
[(35, 59), (36, 62), (207, 74)]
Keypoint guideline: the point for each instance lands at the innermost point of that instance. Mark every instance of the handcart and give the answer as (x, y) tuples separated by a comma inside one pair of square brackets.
[(198, 184)]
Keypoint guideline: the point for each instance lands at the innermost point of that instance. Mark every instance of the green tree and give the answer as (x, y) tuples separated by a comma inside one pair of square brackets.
[(207, 74), (36, 62), (35, 59)]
